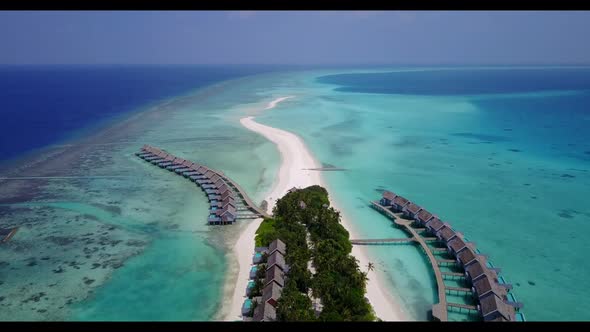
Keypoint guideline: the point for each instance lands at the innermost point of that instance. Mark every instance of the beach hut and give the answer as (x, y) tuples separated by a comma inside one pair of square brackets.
[(247, 307), (274, 274), (423, 216), (277, 245), (399, 203), (456, 245), (257, 258), (411, 210), (253, 272), (434, 224), (264, 313), (262, 250), (276, 259), (271, 294), (466, 257), (474, 272), (493, 308), (219, 182), (445, 234), (387, 198)]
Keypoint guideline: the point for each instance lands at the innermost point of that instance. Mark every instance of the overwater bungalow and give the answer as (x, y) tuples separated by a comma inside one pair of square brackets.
[(213, 219), (399, 203), (182, 169), (276, 259), (387, 198), (223, 188), (493, 308), (215, 178), (203, 181), (271, 294), (211, 191), (229, 201), (226, 194), (434, 224), (274, 274), (228, 215), (265, 313), (202, 169), (456, 245), (411, 210), (209, 174), (173, 167), (152, 157), (474, 272), (466, 257), (423, 217), (446, 234), (277, 245), (208, 186), (189, 174), (213, 197)]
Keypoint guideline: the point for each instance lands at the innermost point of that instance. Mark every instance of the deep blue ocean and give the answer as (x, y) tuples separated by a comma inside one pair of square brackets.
[(42, 105)]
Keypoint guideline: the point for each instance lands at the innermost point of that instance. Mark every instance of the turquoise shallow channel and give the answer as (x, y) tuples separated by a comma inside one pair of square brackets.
[(503, 158)]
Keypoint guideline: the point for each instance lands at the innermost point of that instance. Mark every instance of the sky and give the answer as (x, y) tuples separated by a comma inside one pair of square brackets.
[(294, 37)]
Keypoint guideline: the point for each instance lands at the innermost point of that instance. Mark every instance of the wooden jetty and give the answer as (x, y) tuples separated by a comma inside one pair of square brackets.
[(226, 197), (382, 241)]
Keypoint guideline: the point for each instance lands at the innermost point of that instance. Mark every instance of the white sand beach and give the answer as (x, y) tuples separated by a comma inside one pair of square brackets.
[(295, 159)]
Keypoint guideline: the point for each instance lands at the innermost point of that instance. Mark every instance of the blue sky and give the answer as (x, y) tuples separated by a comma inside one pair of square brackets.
[(284, 37)]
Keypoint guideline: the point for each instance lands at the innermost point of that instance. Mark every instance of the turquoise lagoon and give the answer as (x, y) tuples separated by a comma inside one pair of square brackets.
[(507, 167)]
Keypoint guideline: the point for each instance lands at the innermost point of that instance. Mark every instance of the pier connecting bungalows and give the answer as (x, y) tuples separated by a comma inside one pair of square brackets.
[(223, 207), (491, 292)]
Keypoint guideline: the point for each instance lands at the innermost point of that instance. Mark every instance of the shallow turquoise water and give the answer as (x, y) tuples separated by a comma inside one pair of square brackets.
[(514, 183)]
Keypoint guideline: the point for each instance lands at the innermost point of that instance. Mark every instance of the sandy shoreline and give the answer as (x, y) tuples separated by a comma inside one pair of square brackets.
[(295, 160)]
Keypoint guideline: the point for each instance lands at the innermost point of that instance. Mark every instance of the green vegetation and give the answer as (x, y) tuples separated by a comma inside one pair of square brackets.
[(338, 280), (265, 231)]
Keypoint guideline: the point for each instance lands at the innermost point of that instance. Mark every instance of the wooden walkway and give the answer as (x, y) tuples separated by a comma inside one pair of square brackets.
[(462, 306), (439, 310), (382, 241)]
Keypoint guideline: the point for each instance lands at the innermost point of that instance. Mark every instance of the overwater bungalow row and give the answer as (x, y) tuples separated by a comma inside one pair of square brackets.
[(489, 290), (222, 203)]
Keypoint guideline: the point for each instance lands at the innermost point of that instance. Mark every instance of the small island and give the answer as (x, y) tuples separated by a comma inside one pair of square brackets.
[(304, 268)]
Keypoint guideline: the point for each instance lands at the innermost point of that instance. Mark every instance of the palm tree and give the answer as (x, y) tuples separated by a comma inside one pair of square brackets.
[(370, 267)]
